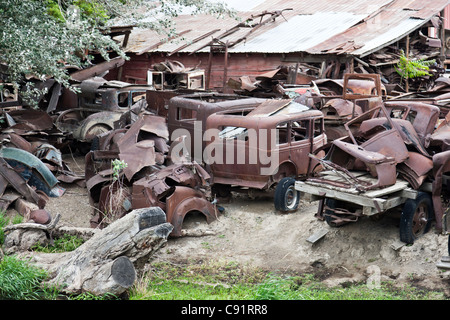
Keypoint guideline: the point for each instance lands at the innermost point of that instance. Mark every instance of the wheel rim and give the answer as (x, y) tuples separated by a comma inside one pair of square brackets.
[(420, 219), (291, 198)]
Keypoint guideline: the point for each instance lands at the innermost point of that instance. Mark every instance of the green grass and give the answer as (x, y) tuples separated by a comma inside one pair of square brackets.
[(64, 244), (4, 221), (230, 281), (21, 281)]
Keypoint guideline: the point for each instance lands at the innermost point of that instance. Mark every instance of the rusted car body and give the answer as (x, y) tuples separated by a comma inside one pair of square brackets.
[(347, 98), (260, 147), (187, 116), (391, 143), (101, 104), (149, 178), (176, 190), (377, 147)]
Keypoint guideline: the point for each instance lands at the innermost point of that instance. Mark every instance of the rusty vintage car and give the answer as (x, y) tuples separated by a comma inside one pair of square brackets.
[(264, 148), (100, 104), (187, 116)]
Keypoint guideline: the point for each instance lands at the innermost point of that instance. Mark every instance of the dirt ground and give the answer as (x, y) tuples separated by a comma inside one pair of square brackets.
[(251, 232)]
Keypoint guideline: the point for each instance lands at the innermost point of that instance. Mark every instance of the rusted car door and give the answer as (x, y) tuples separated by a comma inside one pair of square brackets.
[(300, 144)]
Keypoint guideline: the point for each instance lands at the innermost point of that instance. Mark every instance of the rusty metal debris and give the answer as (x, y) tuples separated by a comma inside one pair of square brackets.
[(150, 178), (396, 140)]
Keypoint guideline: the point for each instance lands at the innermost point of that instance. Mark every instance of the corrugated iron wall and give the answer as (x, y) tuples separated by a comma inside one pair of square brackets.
[(447, 17)]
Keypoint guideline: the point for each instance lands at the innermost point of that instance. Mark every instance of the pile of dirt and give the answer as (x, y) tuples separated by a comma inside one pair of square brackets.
[(251, 232)]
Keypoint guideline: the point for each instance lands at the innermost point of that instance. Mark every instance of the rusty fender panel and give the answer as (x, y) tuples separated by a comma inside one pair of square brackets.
[(151, 190), (184, 200), (441, 165), (415, 169)]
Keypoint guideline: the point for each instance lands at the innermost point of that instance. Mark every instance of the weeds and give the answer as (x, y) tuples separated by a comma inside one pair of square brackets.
[(64, 244), (4, 221), (228, 280), (21, 281)]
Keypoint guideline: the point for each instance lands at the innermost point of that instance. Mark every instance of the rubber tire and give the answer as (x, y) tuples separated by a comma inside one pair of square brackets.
[(284, 189), (407, 223)]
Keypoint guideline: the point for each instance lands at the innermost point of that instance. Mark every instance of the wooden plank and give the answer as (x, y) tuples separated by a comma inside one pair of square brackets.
[(370, 205), (443, 265), (398, 186), (317, 236)]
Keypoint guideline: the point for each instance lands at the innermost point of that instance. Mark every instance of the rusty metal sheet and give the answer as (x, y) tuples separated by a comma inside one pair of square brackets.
[(423, 116), (415, 169), (137, 147), (269, 107), (184, 200), (441, 165), (340, 108), (378, 164), (29, 120), (20, 185), (14, 140), (441, 136)]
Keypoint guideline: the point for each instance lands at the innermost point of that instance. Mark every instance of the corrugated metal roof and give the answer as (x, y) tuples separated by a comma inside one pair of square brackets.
[(388, 36), (395, 21), (300, 33), (315, 26)]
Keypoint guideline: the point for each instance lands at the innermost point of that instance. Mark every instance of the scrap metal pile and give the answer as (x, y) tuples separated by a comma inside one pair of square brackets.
[(396, 139), (31, 164), (407, 138), (151, 177)]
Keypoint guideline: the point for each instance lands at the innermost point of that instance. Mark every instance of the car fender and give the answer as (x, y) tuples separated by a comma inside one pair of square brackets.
[(184, 200), (105, 118)]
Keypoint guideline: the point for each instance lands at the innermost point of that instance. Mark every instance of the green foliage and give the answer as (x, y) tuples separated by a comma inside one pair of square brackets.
[(88, 10), (197, 281), (90, 296), (4, 221), (409, 68), (34, 43), (117, 167), (64, 244), (224, 281), (21, 281), (39, 38)]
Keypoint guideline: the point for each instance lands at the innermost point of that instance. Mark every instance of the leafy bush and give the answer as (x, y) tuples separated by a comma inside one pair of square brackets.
[(410, 69)]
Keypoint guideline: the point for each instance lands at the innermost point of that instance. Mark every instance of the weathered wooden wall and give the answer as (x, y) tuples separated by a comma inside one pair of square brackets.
[(135, 70)]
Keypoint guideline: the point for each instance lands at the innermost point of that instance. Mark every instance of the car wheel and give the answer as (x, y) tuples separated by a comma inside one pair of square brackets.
[(286, 196), (416, 217)]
